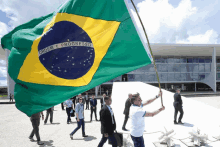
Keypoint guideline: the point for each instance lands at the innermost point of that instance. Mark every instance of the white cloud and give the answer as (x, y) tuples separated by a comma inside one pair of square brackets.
[(3, 29), (3, 82), (2, 63), (167, 24), (3, 71), (210, 37), (22, 11)]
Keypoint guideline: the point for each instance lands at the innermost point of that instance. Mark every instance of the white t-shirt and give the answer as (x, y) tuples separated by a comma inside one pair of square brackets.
[(137, 120)]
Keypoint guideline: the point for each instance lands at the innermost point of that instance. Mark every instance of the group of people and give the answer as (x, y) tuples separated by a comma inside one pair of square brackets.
[(133, 110)]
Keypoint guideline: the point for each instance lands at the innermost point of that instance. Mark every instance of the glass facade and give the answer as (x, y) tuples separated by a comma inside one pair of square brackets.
[(175, 69)]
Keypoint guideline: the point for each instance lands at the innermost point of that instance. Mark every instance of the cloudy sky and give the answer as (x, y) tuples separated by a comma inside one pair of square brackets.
[(166, 21)]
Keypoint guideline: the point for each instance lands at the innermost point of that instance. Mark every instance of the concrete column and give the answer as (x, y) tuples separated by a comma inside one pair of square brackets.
[(195, 86), (214, 67), (10, 82), (183, 87), (100, 89), (96, 91), (211, 79)]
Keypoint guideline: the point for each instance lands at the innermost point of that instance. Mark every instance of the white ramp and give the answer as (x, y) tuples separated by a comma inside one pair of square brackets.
[(196, 114)]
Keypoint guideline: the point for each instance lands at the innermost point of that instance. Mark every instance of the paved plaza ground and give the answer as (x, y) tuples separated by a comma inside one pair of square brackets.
[(15, 127)]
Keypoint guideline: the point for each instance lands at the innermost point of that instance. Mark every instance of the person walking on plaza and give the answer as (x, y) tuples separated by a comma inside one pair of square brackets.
[(69, 105), (137, 118), (102, 101), (93, 103), (62, 106), (49, 112), (74, 101), (79, 118), (35, 120), (11, 99), (126, 111), (178, 106), (87, 100), (108, 124)]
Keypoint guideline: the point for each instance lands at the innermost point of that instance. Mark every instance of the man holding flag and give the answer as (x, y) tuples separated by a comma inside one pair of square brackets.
[(137, 118)]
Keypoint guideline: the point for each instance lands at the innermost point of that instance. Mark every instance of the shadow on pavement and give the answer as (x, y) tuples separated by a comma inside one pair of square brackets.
[(47, 143), (187, 125), (89, 138)]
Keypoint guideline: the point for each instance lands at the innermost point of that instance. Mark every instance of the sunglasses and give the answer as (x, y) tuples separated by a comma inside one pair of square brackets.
[(80, 99)]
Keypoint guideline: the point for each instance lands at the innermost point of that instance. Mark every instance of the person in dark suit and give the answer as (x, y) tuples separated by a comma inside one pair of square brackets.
[(178, 107), (74, 101), (62, 106), (93, 103), (108, 124), (126, 111), (35, 120), (49, 112), (102, 101), (87, 100)]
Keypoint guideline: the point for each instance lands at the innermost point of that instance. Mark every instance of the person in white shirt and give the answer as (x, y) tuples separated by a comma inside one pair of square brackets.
[(103, 100), (69, 105), (137, 115)]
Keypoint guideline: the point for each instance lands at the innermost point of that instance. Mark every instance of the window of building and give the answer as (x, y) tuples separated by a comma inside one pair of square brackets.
[(217, 59), (183, 67), (217, 76), (201, 76), (208, 67), (177, 77), (131, 77), (195, 68), (177, 67), (183, 60), (171, 77), (201, 67), (183, 77), (189, 60), (161, 67), (194, 76), (163, 76), (201, 60), (170, 60), (195, 60), (208, 60), (151, 77)]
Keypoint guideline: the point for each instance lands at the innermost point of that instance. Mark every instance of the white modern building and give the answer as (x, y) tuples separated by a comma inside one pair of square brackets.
[(191, 67)]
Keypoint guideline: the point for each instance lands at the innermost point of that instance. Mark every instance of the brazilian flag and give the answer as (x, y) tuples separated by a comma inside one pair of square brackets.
[(82, 44)]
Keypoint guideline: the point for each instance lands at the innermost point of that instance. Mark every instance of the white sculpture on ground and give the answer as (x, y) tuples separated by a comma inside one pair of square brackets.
[(166, 139), (197, 138), (127, 141)]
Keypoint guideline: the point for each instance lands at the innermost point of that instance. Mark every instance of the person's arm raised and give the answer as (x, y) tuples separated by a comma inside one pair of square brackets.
[(151, 100), (151, 114)]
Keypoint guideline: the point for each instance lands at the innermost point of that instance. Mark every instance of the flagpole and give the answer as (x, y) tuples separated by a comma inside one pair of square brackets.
[(149, 48)]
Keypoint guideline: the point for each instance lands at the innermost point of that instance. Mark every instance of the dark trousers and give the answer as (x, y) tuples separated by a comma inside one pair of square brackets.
[(104, 139), (35, 124), (87, 104), (138, 141), (79, 124), (51, 116), (126, 120), (178, 108), (62, 106), (68, 114), (93, 110), (11, 99), (74, 100)]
